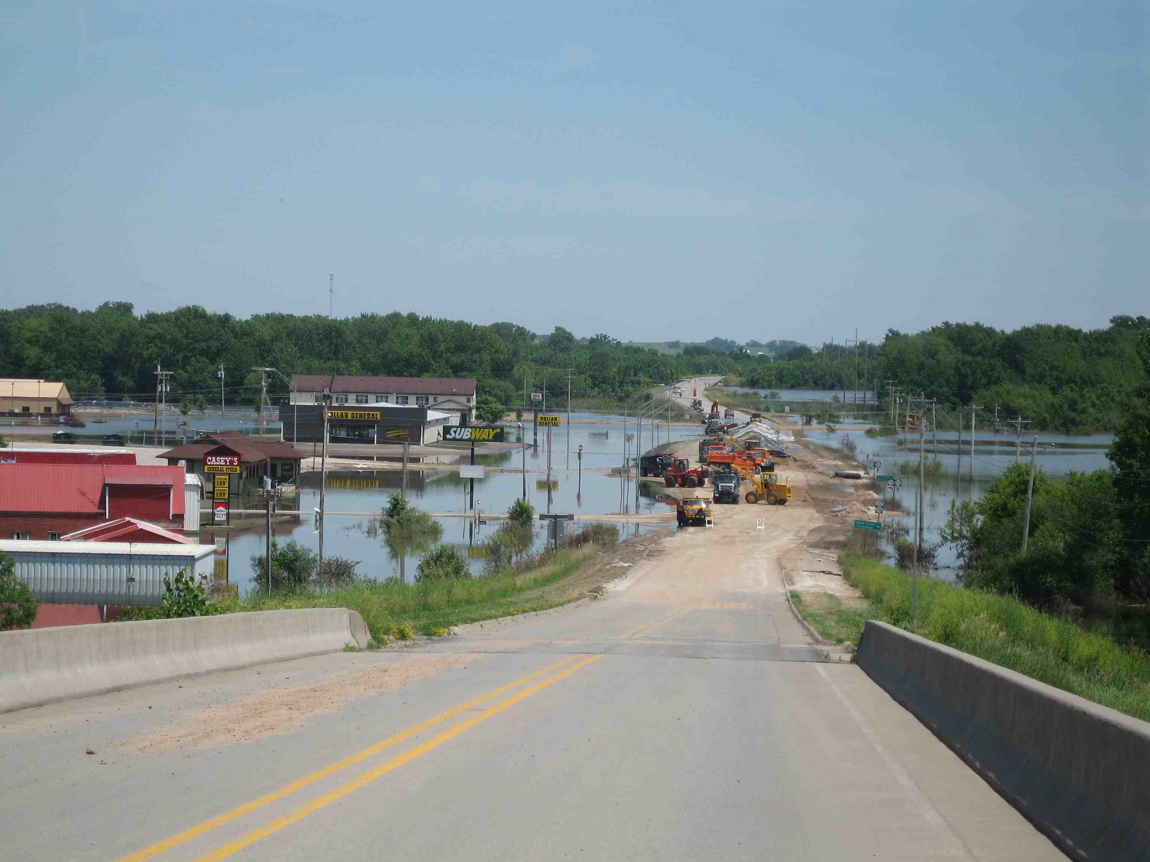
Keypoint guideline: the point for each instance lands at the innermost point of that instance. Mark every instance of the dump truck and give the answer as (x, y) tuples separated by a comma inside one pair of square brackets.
[(768, 488), (693, 512), (655, 465), (725, 484)]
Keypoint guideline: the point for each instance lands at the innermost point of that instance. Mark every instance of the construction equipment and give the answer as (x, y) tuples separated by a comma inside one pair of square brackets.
[(726, 486), (693, 511), (655, 465), (728, 414), (680, 475), (913, 420), (768, 488), (697, 404), (714, 410)]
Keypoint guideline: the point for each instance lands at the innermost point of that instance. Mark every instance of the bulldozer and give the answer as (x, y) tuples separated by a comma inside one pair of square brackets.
[(768, 488), (693, 511)]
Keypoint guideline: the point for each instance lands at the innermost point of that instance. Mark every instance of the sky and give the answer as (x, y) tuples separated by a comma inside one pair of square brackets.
[(651, 170)]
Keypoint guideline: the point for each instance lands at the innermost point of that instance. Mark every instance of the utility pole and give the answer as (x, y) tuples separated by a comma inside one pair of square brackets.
[(1018, 423), (934, 428), (323, 473), (330, 294), (569, 375), (220, 374), (1029, 494), (906, 423), (268, 511), (161, 390), (263, 395), (974, 408), (403, 480)]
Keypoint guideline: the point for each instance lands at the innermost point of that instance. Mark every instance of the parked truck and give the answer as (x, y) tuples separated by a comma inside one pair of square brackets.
[(725, 485), (655, 465), (693, 512)]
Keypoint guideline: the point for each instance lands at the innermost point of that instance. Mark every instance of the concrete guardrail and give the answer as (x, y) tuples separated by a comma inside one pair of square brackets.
[(44, 665), (1078, 771)]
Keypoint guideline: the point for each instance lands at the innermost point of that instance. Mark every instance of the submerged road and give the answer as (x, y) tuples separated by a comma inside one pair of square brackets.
[(683, 716)]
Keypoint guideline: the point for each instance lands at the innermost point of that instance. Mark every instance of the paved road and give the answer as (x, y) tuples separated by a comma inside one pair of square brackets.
[(683, 716)]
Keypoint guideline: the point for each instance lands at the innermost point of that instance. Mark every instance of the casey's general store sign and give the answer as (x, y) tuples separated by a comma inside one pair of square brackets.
[(221, 463)]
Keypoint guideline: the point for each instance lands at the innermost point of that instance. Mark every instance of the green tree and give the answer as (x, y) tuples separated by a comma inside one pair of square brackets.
[(185, 596), (17, 604), (488, 411), (521, 513), (1130, 456)]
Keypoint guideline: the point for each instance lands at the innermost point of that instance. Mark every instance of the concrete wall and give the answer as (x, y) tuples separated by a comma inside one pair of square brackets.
[(44, 665), (1078, 771)]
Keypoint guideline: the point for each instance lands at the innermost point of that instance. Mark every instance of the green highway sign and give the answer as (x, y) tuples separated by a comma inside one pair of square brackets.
[(883, 478), (868, 525)]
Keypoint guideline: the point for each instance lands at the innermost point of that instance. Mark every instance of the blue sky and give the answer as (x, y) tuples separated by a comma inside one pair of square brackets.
[(651, 170)]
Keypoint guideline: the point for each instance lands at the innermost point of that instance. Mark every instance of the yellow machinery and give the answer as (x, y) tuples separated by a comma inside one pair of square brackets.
[(694, 511), (768, 488)]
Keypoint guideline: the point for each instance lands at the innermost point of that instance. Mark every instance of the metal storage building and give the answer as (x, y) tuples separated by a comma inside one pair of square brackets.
[(104, 573)]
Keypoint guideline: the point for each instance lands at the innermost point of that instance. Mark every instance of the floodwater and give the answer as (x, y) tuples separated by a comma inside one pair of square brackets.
[(362, 493), (847, 397), (1059, 454)]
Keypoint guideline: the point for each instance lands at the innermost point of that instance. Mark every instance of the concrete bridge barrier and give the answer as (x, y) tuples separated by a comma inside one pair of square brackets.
[(44, 665), (1078, 771)]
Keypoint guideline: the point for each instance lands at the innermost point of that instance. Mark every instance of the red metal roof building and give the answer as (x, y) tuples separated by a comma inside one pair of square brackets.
[(48, 501), (128, 530), (67, 456)]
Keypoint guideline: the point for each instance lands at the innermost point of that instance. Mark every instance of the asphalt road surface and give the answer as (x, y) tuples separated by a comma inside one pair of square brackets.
[(683, 716)]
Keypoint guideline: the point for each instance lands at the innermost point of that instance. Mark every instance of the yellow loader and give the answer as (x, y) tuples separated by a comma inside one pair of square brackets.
[(768, 488)]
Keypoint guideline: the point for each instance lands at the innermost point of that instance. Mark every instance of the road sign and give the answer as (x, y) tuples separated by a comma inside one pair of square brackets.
[(541, 484), (536, 397), (760, 524), (221, 546), (221, 487), (220, 511), (878, 508), (883, 478), (556, 517), (472, 471), (221, 463), (548, 420), (873, 526)]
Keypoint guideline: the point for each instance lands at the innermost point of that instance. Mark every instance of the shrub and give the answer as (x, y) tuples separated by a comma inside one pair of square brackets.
[(335, 572), (521, 513), (592, 534), (185, 596), (17, 604), (441, 563), (292, 566)]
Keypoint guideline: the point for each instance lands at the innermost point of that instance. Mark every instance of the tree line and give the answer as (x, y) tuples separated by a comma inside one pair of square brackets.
[(1059, 377), (1088, 538)]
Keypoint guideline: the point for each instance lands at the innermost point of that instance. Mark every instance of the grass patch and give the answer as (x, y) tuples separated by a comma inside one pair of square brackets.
[(397, 611), (831, 617), (1009, 633)]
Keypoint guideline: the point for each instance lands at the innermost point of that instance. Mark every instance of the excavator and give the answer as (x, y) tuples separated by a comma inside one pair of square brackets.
[(768, 488)]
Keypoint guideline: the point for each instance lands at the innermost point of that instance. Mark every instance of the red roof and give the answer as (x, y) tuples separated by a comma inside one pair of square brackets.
[(127, 530), (249, 450), (345, 383), (79, 488)]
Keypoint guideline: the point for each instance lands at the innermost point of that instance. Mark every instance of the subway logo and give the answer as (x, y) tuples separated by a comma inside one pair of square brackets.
[(473, 434)]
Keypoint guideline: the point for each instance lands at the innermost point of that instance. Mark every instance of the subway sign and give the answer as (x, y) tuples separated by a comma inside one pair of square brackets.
[(361, 415), (473, 434)]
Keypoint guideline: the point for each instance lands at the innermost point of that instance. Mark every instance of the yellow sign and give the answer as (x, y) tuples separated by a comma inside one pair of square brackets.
[(221, 482), (354, 414), (219, 493), (221, 468), (541, 484), (547, 421), (396, 432)]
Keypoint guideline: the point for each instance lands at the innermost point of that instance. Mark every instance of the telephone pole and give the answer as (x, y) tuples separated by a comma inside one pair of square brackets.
[(1018, 423), (1029, 494), (161, 390), (974, 408), (330, 294), (569, 376), (220, 374)]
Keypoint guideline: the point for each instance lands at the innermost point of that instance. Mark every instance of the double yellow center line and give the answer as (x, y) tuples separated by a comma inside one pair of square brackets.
[(562, 669)]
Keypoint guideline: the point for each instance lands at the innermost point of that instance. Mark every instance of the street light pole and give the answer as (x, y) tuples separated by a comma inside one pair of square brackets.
[(523, 452)]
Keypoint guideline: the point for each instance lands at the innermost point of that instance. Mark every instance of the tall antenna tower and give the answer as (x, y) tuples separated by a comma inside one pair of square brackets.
[(330, 294)]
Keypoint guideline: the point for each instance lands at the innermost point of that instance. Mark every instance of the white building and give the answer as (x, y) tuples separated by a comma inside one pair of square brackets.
[(452, 395)]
